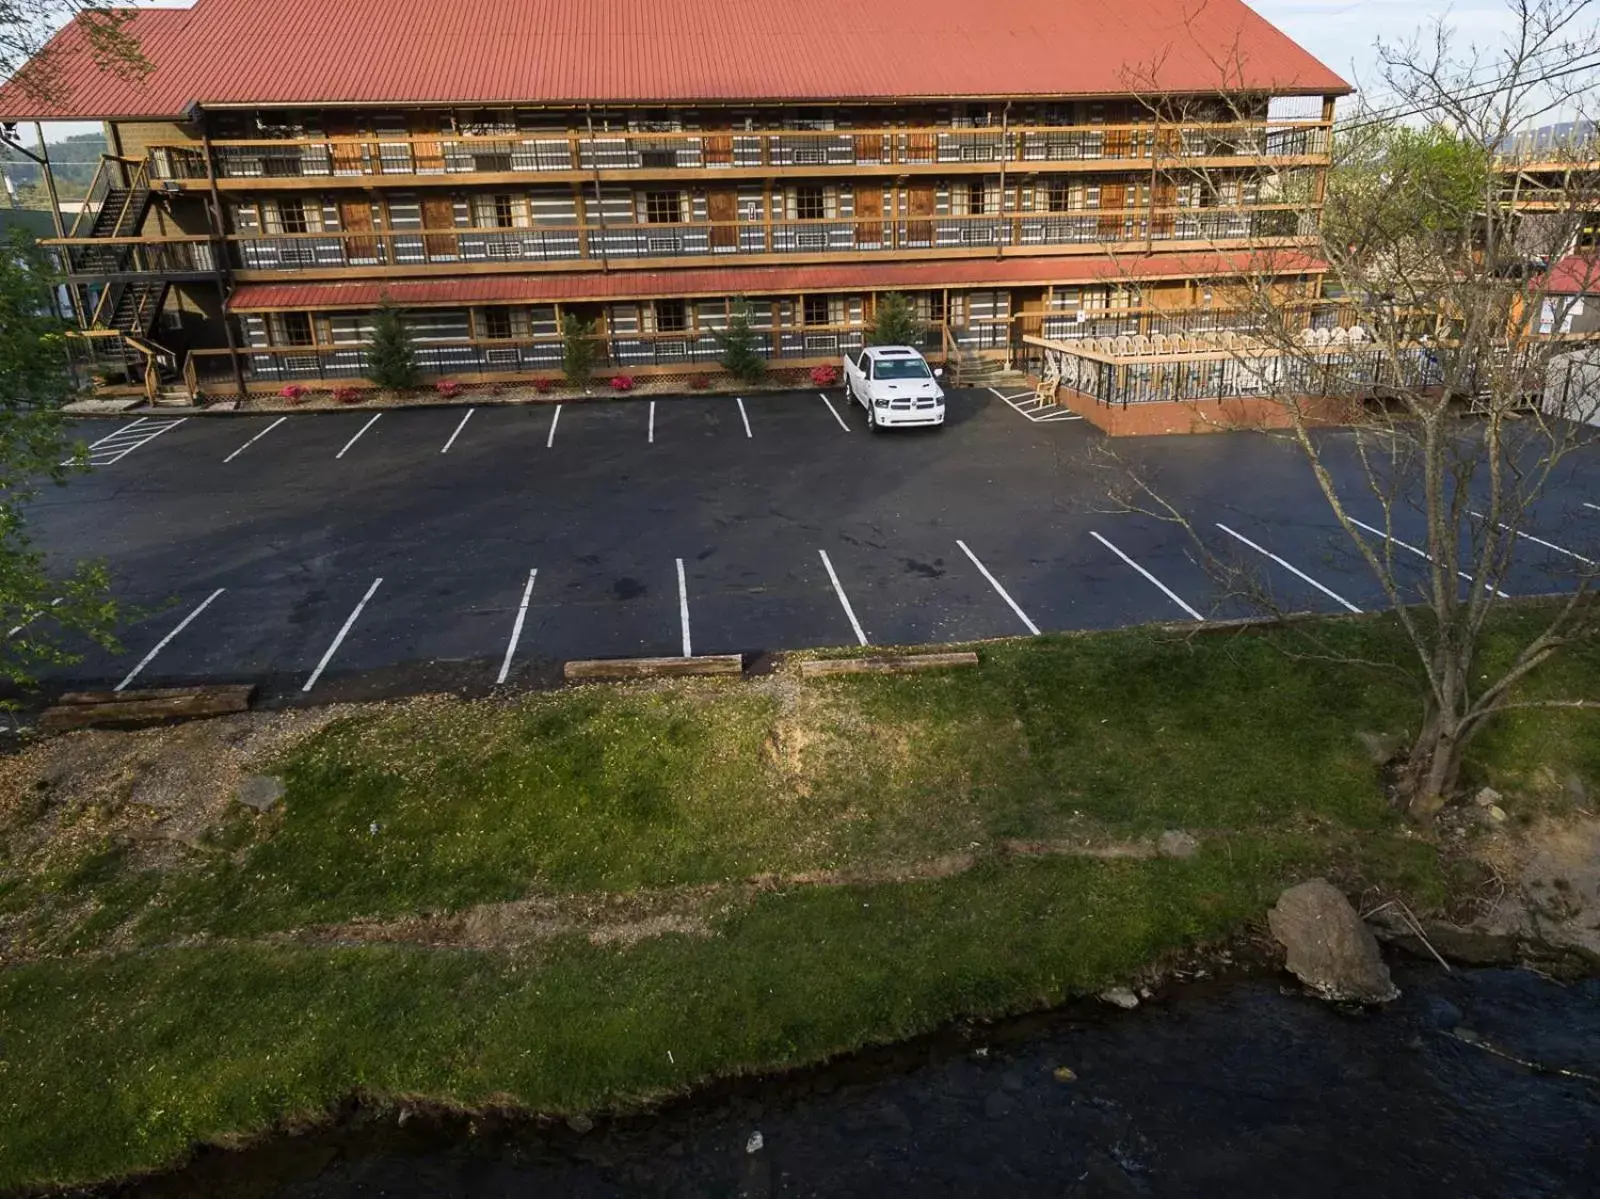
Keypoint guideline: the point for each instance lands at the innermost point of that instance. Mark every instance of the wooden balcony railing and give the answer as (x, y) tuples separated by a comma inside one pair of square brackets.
[(617, 353), (708, 151), (335, 250)]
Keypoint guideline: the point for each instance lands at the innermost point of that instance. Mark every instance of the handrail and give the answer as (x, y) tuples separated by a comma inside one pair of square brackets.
[(645, 135), (535, 151), (665, 227), (99, 183)]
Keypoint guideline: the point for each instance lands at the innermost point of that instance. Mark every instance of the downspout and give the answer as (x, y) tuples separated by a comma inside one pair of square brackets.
[(599, 203)]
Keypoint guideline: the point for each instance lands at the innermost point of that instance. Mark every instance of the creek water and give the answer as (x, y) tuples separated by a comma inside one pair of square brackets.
[(1236, 1087)]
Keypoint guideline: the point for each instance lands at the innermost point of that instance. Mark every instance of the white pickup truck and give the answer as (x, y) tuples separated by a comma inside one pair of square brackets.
[(895, 386)]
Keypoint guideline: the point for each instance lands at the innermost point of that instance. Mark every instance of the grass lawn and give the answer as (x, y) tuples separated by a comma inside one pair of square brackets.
[(162, 1005)]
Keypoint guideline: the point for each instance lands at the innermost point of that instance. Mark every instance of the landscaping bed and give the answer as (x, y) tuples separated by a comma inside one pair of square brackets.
[(594, 898)]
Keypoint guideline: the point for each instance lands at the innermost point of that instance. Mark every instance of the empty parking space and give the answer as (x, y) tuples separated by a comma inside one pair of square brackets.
[(511, 538)]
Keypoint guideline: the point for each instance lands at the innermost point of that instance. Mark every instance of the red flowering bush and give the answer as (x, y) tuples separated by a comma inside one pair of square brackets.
[(447, 389), (543, 386), (825, 375), (293, 393), (700, 382), (622, 383), (347, 395)]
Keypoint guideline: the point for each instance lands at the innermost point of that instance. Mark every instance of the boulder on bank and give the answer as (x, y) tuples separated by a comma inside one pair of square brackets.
[(1329, 948)]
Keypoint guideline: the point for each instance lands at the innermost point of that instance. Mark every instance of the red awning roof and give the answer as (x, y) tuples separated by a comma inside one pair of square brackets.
[(549, 287), (1574, 276), (407, 52)]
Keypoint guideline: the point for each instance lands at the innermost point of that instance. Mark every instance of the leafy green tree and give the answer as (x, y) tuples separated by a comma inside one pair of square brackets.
[(391, 362), (578, 349), (35, 380), (741, 346), (894, 322)]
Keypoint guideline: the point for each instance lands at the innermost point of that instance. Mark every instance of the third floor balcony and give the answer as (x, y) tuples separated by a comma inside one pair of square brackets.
[(579, 156)]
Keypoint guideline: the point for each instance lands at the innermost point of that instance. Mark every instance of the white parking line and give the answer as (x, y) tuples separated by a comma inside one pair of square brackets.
[(162, 644), (457, 433), (33, 616), (683, 611), (114, 447), (554, 417), (1027, 404), (844, 600), (744, 416), (650, 438), (1423, 554), (357, 437), (255, 439), (995, 583), (516, 629), (1587, 504), (836, 415), (1549, 545), (1298, 573), (343, 632), (1160, 586)]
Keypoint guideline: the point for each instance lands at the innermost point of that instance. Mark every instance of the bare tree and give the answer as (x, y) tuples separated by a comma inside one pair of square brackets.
[(1458, 249)]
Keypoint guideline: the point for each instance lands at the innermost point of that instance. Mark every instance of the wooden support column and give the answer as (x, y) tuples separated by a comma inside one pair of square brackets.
[(219, 231)]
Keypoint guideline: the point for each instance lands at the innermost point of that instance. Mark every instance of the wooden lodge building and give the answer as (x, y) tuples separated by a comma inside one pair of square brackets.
[(1058, 170)]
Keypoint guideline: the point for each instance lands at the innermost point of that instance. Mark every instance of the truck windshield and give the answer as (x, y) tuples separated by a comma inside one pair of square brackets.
[(900, 368)]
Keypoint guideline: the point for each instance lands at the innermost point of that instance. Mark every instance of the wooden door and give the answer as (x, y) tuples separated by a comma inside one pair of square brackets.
[(920, 204), (426, 152), (1118, 143), (922, 146), (355, 216), (345, 145), (870, 147), (722, 210), (439, 212), (869, 216), (1165, 196), (1113, 196), (717, 145)]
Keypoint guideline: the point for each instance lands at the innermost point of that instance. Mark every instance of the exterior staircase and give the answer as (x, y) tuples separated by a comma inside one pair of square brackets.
[(973, 370)]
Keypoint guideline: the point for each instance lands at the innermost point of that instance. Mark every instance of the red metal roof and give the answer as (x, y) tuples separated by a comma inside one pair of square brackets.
[(1574, 276), (313, 52), (756, 281)]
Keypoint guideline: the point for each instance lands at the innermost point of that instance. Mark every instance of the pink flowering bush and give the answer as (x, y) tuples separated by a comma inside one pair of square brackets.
[(543, 386), (293, 393), (447, 389), (825, 375), (347, 395), (622, 383)]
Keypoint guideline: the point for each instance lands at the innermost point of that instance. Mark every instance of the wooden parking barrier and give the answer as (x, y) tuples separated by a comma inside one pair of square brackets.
[(611, 669), (137, 709), (898, 664)]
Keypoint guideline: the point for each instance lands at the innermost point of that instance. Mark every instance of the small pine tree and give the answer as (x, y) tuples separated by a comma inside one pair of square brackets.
[(577, 349), (391, 363), (739, 344), (894, 322)]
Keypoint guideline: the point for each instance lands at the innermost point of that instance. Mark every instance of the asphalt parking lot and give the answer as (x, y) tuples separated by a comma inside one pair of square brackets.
[(334, 555)]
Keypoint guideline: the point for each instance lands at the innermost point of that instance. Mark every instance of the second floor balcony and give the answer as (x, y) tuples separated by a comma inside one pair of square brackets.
[(448, 250)]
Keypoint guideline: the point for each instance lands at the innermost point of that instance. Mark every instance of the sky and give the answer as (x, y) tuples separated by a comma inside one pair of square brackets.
[(1342, 33)]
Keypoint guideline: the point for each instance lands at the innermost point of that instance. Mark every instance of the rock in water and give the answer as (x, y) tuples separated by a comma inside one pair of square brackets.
[(1121, 996), (1329, 948)]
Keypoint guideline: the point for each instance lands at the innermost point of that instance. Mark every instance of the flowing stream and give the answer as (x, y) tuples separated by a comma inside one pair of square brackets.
[(1474, 1083)]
